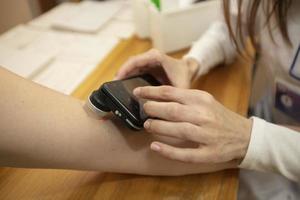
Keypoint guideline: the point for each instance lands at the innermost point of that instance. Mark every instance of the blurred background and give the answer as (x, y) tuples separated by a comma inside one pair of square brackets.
[(13, 12), (59, 43)]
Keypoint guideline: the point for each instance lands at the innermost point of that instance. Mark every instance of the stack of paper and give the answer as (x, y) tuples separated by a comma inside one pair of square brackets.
[(75, 57), (25, 63), (119, 29), (110, 18), (90, 17), (6, 52), (43, 50), (60, 12), (61, 60), (75, 47), (19, 36), (88, 49), (64, 76), (125, 14), (84, 17), (15, 56)]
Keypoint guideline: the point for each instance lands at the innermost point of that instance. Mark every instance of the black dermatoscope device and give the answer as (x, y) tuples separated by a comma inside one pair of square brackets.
[(117, 97)]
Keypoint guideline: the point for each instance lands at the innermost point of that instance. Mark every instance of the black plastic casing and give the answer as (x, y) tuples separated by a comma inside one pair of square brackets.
[(105, 100)]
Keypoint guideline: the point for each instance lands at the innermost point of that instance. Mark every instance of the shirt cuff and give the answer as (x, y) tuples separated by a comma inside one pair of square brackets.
[(256, 145), (213, 48), (207, 53)]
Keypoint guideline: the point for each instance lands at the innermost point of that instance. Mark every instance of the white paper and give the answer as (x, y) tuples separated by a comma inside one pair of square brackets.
[(19, 36), (117, 28), (76, 55), (60, 12), (62, 60), (125, 14), (48, 43), (75, 47), (89, 49), (64, 76), (6, 51), (90, 16), (26, 63)]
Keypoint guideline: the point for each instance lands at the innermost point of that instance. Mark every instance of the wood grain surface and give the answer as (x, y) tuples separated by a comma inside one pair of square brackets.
[(230, 85)]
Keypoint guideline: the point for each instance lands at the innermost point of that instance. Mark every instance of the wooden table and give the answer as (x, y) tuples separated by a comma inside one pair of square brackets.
[(230, 85)]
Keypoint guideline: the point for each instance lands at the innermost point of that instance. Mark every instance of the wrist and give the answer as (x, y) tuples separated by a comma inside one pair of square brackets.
[(246, 135), (193, 67)]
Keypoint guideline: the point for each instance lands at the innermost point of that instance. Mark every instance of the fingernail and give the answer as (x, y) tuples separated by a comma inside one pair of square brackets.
[(147, 124), (155, 147), (137, 91)]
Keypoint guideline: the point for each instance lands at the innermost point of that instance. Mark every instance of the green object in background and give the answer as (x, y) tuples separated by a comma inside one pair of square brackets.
[(156, 3)]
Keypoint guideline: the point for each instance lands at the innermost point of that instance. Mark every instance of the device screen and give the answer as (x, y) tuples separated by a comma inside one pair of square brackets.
[(123, 91)]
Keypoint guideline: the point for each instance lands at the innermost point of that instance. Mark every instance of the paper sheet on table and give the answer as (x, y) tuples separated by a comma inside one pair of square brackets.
[(64, 76), (25, 63), (117, 28), (84, 53), (90, 16), (76, 56), (6, 51), (75, 47), (60, 12), (125, 14), (51, 45), (19, 36)]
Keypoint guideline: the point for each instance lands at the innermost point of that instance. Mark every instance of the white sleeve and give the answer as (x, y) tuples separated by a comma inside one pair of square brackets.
[(216, 46), (273, 148), (213, 48)]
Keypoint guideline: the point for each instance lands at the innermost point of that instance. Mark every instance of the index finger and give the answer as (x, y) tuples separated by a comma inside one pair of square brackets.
[(162, 93), (140, 62)]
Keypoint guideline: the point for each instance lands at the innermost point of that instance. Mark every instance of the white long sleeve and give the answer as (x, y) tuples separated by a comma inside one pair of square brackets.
[(213, 48), (273, 148)]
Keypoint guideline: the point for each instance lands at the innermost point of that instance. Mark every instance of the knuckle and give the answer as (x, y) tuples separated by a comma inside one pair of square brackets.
[(156, 54), (211, 117), (147, 106), (166, 91), (200, 110), (186, 131), (203, 112), (207, 97), (151, 126), (142, 92), (173, 111), (214, 118), (192, 129)]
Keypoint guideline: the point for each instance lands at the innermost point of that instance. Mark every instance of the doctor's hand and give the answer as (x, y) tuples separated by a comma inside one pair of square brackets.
[(168, 70), (194, 115)]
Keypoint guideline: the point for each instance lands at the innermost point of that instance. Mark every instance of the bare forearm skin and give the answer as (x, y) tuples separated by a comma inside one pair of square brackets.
[(40, 128)]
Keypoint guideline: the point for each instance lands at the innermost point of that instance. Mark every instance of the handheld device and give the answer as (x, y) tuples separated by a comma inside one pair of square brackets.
[(117, 97)]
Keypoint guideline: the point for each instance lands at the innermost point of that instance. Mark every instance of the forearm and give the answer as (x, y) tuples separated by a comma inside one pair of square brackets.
[(41, 128)]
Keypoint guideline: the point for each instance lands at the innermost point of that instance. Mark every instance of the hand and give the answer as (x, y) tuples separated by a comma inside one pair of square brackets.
[(220, 134), (168, 70)]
